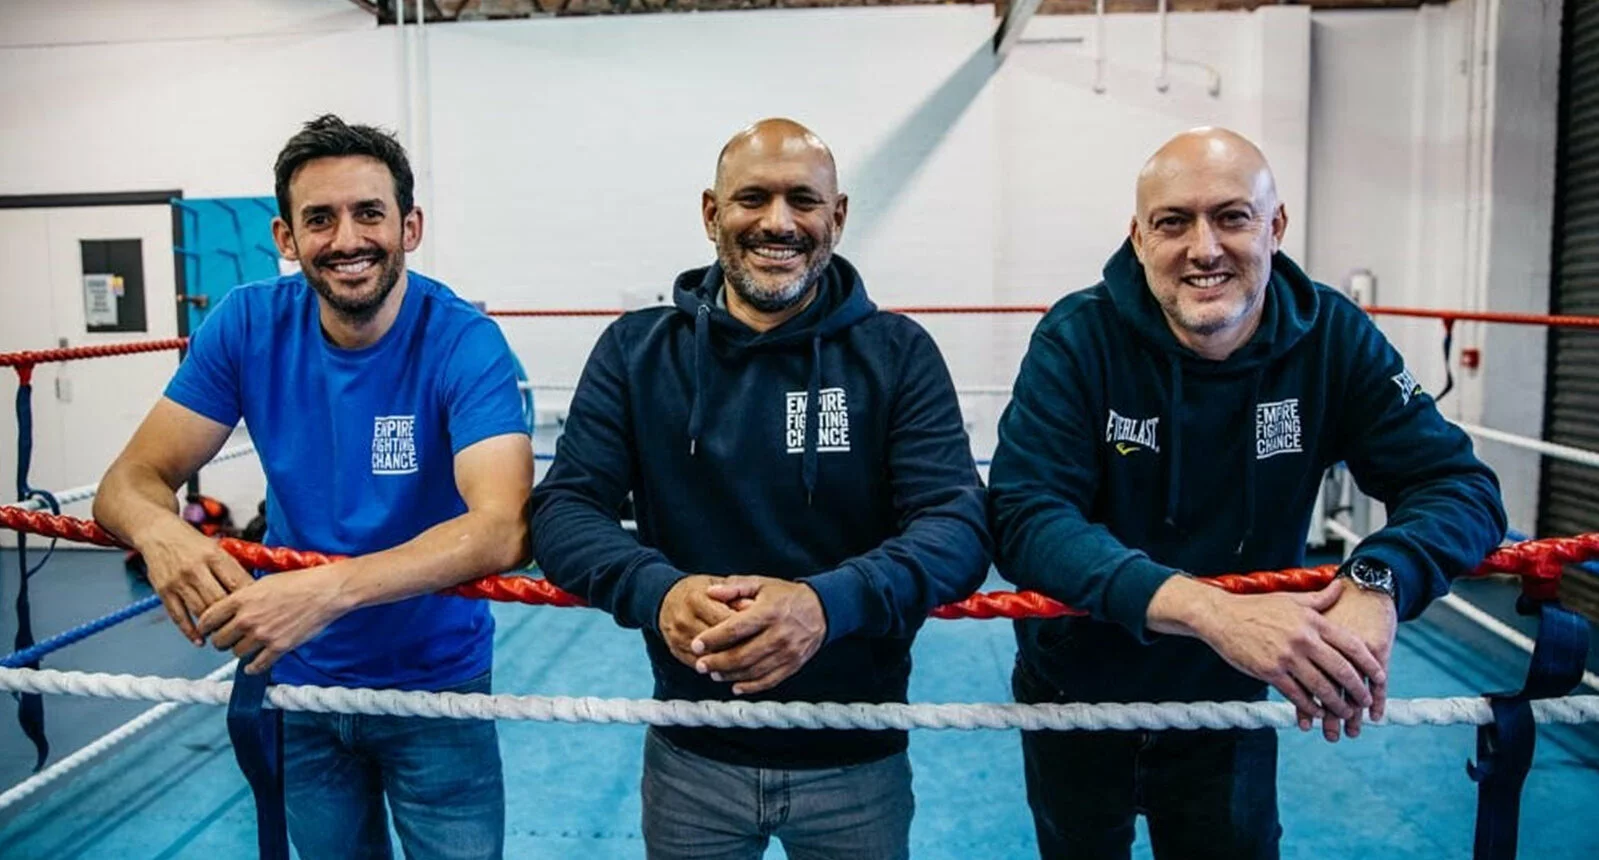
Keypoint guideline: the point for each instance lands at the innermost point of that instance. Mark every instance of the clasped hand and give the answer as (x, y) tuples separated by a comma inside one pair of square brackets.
[(752, 631)]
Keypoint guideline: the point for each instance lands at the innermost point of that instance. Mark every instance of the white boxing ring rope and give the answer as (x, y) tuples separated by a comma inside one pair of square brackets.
[(94, 749), (88, 491), (787, 715)]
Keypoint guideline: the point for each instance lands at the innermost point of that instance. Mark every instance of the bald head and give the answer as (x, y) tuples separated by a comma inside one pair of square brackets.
[(775, 138), (1219, 154)]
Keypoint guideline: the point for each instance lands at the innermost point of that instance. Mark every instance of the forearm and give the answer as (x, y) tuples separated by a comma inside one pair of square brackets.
[(942, 556), (475, 544), (587, 552), (1181, 606), (1444, 507), (136, 503), (1047, 545), (1436, 535)]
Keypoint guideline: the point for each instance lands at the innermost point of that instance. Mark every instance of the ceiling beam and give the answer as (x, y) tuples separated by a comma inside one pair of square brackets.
[(1011, 27)]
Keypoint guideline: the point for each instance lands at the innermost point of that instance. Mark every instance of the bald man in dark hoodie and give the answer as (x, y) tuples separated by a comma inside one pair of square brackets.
[(805, 495), (1174, 422)]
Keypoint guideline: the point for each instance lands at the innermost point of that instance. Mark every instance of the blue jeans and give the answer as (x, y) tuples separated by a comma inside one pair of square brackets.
[(1207, 794), (441, 778), (696, 808)]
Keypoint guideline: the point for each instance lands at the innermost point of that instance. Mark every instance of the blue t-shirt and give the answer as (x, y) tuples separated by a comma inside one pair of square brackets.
[(358, 448)]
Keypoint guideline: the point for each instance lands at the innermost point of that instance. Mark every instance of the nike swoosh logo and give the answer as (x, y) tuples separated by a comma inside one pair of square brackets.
[(1124, 449)]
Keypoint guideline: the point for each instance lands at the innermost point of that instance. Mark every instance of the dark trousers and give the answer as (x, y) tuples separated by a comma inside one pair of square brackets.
[(1206, 793)]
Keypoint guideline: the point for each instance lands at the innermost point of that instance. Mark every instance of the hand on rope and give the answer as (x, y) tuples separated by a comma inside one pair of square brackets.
[(1285, 640), (274, 615), (1537, 562), (1372, 618), (191, 573)]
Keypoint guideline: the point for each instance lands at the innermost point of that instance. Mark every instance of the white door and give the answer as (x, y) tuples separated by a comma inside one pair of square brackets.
[(84, 411)]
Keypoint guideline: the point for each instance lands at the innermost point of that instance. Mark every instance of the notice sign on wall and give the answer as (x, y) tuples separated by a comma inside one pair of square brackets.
[(113, 285), (100, 295)]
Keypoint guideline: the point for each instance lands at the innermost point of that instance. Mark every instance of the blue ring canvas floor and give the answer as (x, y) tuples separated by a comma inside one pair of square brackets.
[(572, 790)]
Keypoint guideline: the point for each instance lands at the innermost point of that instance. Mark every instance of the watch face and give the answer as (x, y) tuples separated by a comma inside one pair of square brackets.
[(1371, 575)]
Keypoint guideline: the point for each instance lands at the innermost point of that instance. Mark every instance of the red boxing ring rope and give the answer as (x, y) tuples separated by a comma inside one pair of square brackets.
[(1539, 563), (1556, 321), (28, 358)]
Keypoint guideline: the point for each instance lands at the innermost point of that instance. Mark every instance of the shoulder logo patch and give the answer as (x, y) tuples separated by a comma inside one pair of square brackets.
[(1408, 386)]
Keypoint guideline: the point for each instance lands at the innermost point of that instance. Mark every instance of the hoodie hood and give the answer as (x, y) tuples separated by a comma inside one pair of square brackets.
[(840, 302), (1291, 305)]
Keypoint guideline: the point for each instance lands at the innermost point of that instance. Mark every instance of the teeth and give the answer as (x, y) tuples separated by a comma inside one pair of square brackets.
[(775, 253), (1206, 280), (352, 268)]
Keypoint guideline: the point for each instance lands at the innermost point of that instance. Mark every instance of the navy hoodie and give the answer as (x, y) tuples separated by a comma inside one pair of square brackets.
[(877, 506), (1124, 457)]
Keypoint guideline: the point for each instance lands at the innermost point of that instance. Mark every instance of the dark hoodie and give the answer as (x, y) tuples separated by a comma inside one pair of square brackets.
[(1124, 457), (877, 506)]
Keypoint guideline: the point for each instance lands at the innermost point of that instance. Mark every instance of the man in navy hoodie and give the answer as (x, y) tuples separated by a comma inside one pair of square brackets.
[(805, 495), (1173, 422)]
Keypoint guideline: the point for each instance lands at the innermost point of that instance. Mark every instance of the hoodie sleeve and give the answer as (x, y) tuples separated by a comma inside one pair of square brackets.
[(577, 540), (942, 550), (1444, 508), (1045, 476)]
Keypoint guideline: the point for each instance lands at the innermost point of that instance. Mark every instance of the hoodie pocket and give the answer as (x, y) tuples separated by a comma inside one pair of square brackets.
[(1055, 634)]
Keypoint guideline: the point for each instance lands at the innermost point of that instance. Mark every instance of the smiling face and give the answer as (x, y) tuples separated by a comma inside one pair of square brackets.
[(775, 214), (348, 233), (1208, 223)]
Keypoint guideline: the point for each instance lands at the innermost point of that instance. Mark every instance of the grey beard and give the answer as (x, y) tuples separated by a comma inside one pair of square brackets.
[(789, 295), (770, 302)]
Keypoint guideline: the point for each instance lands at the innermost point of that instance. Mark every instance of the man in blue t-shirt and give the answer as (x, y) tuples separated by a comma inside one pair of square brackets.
[(385, 412)]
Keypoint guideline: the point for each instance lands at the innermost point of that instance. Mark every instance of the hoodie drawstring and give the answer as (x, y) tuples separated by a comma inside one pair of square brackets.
[(813, 419), (1250, 456), (1173, 472), (702, 357)]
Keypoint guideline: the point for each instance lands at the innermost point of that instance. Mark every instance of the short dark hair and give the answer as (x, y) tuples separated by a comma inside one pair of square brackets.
[(328, 136)]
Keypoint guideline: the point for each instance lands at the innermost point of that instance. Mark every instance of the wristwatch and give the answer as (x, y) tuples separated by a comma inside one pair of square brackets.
[(1370, 575)]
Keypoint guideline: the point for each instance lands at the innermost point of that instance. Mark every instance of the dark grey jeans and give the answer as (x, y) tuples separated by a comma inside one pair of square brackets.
[(1208, 795), (699, 809)]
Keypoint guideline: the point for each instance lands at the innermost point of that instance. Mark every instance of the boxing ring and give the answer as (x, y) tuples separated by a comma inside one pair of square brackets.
[(586, 674)]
